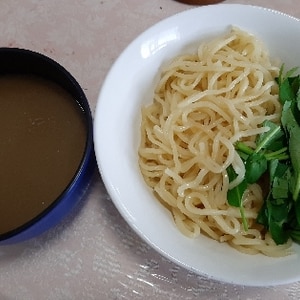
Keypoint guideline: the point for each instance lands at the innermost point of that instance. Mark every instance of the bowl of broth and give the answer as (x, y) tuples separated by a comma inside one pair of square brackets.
[(46, 145)]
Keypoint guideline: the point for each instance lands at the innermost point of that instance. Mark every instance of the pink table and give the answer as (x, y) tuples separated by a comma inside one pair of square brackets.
[(93, 254)]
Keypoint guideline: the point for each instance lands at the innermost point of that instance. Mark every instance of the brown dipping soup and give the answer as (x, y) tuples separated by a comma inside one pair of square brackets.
[(43, 138)]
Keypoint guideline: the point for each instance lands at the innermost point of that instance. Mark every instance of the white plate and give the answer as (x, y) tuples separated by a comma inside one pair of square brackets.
[(129, 85)]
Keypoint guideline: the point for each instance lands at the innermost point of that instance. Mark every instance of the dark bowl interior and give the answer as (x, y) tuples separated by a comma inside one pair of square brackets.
[(22, 61)]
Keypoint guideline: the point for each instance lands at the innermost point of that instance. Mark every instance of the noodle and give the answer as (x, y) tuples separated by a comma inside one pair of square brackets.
[(202, 105)]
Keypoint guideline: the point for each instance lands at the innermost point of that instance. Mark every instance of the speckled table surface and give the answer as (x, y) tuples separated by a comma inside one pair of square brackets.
[(93, 253)]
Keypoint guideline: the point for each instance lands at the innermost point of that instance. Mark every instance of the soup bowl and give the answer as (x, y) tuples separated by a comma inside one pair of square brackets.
[(46, 155)]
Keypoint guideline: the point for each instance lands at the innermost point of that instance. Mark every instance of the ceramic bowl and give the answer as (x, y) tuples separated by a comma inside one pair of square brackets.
[(129, 86), (22, 63)]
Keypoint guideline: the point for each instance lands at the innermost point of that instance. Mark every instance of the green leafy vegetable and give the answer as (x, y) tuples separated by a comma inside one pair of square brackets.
[(272, 139), (256, 165), (293, 132), (235, 195), (287, 84), (277, 156)]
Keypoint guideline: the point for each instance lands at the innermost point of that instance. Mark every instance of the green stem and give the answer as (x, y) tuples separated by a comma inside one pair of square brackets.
[(244, 220), (279, 154), (267, 139), (244, 148)]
